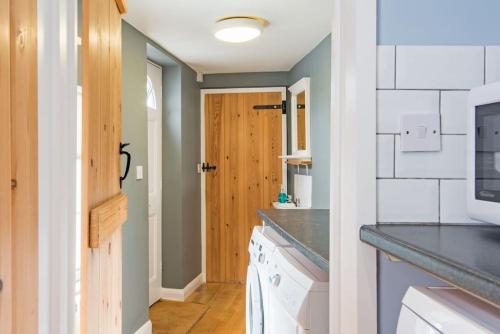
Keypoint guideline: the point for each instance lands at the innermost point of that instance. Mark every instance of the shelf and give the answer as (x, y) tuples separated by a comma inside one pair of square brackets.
[(298, 162)]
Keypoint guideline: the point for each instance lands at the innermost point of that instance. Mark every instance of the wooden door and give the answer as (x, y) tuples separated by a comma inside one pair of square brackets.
[(19, 167), (104, 209), (244, 144)]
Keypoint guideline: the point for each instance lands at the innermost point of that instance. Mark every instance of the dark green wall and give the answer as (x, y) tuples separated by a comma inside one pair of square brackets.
[(135, 230)]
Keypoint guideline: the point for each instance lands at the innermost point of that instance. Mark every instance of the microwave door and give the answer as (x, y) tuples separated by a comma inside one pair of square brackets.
[(488, 152)]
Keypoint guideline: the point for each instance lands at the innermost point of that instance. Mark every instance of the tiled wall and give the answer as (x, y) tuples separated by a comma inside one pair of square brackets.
[(426, 186)]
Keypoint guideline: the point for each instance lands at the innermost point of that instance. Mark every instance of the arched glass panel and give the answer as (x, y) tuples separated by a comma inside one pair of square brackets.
[(151, 96)]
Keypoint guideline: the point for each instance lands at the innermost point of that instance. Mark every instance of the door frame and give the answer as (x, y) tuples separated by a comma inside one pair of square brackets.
[(353, 190), (57, 154), (160, 223), (284, 142)]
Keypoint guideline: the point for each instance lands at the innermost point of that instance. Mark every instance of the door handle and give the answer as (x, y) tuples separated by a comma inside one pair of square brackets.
[(205, 167), (127, 166)]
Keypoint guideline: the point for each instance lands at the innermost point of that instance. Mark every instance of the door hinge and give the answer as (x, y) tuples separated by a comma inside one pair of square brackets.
[(281, 106)]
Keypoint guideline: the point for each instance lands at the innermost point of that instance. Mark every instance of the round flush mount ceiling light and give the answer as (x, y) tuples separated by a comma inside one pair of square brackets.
[(238, 29)]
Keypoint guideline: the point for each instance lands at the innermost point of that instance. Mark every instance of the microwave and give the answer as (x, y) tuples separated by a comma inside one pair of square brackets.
[(483, 154)]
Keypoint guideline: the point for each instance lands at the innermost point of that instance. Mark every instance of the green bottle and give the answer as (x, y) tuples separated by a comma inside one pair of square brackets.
[(282, 197)]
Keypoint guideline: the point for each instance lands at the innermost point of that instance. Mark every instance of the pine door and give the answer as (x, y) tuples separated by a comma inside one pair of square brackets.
[(244, 143)]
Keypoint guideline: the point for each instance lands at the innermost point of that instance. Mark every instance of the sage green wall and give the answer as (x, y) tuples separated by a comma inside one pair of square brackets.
[(317, 66), (135, 230), (181, 203), (245, 80)]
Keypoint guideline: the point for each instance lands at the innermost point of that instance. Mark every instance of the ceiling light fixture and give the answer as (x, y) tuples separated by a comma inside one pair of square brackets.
[(238, 29)]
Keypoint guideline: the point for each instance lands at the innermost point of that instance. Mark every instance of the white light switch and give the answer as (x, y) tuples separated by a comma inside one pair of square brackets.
[(138, 172), (420, 132)]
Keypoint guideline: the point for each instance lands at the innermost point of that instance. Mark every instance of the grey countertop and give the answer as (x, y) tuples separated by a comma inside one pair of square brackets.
[(308, 230), (464, 255)]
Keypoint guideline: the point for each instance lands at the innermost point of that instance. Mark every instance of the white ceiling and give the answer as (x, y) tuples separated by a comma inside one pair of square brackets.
[(185, 28)]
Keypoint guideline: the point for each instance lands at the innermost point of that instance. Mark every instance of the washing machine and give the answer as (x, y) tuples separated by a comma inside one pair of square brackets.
[(298, 294), (446, 310), (263, 243)]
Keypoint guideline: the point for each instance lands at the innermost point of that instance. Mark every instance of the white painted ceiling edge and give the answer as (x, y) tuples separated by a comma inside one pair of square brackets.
[(185, 28)]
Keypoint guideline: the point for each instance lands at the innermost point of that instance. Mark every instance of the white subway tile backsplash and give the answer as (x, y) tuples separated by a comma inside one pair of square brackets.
[(492, 64), (403, 201), (392, 103), (385, 156), (454, 112), (449, 163), (439, 67), (454, 202), (386, 63)]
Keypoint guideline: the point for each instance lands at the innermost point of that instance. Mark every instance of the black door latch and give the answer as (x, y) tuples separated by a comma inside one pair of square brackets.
[(205, 167)]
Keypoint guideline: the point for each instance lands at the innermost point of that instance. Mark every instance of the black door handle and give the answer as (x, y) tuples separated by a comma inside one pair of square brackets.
[(129, 158), (205, 167)]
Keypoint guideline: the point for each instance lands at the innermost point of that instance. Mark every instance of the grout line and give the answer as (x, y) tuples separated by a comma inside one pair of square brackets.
[(395, 65), (439, 201), (484, 65), (394, 159), (429, 89), (399, 133), (440, 121), (423, 178)]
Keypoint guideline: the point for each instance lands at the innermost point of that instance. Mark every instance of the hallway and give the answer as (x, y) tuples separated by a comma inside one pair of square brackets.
[(213, 308)]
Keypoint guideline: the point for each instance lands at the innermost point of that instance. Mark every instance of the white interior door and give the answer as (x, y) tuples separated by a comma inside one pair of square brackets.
[(154, 102)]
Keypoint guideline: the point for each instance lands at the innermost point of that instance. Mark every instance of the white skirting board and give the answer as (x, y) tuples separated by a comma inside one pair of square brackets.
[(147, 328), (183, 294)]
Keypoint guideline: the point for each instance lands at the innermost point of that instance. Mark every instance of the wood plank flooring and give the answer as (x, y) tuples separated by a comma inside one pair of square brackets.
[(213, 308)]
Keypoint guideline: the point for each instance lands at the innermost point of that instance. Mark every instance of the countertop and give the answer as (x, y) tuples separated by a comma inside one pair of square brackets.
[(464, 255), (308, 230)]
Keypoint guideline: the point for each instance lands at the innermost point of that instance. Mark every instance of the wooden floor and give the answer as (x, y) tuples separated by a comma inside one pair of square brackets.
[(213, 308)]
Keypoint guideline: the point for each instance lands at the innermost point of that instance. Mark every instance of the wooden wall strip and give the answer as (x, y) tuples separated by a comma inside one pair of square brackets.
[(106, 218), (122, 6), (5, 172), (24, 164)]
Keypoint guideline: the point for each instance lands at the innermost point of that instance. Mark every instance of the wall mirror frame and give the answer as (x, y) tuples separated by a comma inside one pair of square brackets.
[(301, 120)]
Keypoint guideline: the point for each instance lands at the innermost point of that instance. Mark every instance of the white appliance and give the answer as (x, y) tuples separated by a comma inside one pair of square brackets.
[(483, 153), (298, 294), (263, 243), (446, 310)]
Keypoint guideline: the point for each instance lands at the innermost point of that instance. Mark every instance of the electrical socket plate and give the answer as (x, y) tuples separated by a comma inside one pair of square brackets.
[(420, 132)]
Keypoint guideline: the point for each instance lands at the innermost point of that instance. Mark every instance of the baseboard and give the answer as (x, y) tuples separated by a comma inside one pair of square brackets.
[(182, 294), (147, 328)]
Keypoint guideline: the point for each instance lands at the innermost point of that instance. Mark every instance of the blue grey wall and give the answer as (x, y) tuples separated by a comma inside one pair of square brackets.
[(317, 66), (135, 230), (438, 22), (181, 224), (426, 22)]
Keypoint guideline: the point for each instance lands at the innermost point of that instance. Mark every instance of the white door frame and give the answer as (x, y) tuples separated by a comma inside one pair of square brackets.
[(57, 152), (353, 265), (204, 92), (156, 295)]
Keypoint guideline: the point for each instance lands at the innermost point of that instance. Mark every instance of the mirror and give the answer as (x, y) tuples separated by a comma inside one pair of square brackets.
[(300, 118)]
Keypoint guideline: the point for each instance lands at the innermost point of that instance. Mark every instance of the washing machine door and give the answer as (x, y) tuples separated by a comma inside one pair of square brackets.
[(254, 303)]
